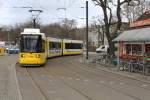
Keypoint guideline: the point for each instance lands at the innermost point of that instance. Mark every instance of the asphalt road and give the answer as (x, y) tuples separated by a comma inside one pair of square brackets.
[(67, 78)]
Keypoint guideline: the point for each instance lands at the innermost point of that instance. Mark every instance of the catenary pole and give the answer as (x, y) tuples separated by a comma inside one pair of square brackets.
[(87, 50)]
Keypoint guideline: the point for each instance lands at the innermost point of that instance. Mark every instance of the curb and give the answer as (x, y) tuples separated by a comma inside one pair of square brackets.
[(124, 75), (17, 83), (118, 73)]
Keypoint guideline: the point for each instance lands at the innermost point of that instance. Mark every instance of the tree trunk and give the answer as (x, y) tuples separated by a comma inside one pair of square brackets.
[(111, 52)]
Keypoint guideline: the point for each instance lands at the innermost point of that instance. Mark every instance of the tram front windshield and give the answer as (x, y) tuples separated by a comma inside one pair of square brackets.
[(31, 43)]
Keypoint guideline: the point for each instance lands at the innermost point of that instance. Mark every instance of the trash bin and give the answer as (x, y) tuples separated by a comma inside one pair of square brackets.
[(147, 70), (115, 61)]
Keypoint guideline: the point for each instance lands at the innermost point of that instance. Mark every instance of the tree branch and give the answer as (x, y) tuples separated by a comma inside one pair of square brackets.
[(125, 1), (110, 19)]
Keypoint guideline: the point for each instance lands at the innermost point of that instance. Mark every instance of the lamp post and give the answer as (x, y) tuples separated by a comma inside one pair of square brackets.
[(87, 28), (8, 39)]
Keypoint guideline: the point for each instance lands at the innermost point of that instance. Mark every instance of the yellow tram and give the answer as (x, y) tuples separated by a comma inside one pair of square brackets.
[(32, 47), (2, 51), (2, 48), (35, 47)]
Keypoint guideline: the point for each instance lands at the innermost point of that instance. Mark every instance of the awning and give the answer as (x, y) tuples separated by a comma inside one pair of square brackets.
[(136, 35)]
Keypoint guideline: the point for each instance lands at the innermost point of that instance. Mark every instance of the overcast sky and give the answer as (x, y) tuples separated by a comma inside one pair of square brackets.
[(10, 15)]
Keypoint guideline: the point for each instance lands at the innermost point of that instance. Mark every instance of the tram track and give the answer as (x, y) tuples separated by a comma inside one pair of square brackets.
[(102, 73), (31, 73), (36, 84), (82, 93), (29, 89), (47, 73), (97, 75), (77, 79), (74, 73), (109, 86), (69, 85)]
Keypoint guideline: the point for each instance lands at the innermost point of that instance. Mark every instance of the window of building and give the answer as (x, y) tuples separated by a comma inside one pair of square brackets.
[(128, 49), (147, 49), (137, 49)]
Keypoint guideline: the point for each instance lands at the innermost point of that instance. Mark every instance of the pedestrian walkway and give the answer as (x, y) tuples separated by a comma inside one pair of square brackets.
[(9, 89)]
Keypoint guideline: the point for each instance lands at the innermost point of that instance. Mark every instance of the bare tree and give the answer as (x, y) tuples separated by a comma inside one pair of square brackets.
[(99, 28), (65, 29), (107, 13), (69, 27), (134, 10)]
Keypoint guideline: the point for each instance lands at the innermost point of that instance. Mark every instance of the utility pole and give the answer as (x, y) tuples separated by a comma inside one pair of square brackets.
[(87, 28)]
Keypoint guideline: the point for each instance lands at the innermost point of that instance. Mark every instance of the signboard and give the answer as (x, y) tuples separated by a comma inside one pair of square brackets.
[(2, 44), (140, 23)]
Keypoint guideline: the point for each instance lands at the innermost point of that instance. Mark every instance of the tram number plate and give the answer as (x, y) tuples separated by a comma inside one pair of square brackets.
[(30, 56)]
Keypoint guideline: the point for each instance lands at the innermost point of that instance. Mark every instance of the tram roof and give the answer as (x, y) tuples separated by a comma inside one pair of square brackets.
[(31, 30), (72, 41), (136, 35), (54, 39)]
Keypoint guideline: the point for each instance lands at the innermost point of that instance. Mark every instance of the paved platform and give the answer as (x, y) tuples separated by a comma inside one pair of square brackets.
[(9, 89)]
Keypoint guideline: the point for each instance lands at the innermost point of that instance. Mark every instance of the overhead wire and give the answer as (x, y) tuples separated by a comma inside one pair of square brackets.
[(71, 3)]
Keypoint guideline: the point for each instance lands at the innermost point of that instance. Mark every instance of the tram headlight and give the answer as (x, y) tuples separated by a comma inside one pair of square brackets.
[(22, 56), (38, 56)]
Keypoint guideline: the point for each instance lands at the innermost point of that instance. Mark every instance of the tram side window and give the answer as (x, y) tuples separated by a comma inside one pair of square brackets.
[(73, 45), (147, 49), (137, 49), (54, 46), (128, 48), (43, 45)]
